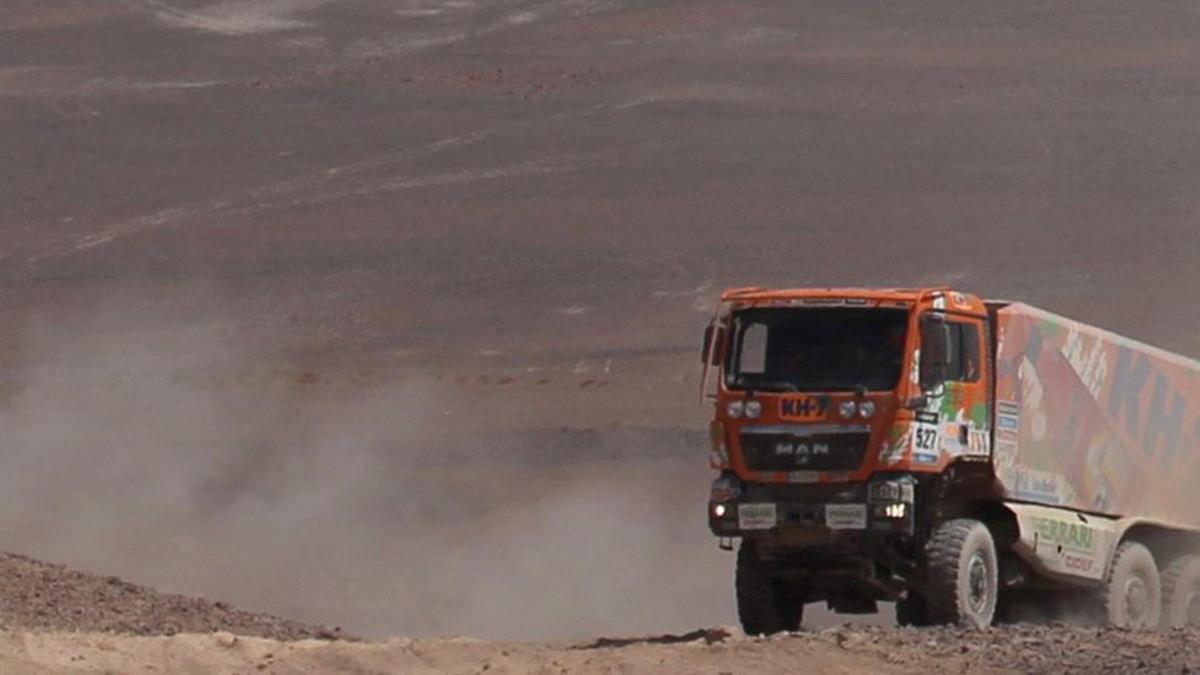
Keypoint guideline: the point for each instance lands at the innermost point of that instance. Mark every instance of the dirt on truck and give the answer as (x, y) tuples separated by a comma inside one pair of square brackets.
[(959, 457)]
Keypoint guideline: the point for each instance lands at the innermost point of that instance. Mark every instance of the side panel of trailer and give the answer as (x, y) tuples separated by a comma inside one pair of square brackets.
[(1089, 420)]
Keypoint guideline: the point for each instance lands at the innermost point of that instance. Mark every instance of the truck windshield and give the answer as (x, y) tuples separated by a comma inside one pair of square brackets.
[(816, 349)]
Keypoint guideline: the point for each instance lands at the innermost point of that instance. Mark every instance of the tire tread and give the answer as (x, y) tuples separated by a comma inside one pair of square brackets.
[(1125, 548), (760, 605), (1170, 577), (943, 555), (942, 558)]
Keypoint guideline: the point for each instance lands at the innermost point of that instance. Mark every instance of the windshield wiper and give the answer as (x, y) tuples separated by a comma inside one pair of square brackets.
[(740, 381)]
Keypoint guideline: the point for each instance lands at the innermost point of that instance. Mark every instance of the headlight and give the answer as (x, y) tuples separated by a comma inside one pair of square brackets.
[(753, 409), (866, 408), (719, 510), (846, 409), (724, 489), (891, 491), (735, 409), (885, 492)]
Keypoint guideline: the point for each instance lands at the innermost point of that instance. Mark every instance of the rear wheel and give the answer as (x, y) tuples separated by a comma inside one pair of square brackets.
[(962, 583), (766, 603), (1181, 592), (1133, 594)]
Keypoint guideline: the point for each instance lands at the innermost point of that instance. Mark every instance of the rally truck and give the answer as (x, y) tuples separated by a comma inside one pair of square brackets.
[(945, 453)]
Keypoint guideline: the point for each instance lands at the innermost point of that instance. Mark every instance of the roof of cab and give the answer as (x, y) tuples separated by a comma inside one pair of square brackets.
[(757, 293), (941, 298)]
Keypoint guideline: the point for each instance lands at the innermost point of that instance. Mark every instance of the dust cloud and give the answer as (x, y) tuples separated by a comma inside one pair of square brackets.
[(153, 447)]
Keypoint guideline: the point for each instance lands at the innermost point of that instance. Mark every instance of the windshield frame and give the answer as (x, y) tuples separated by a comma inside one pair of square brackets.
[(731, 380)]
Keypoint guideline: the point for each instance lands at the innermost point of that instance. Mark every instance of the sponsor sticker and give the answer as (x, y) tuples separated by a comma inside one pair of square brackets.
[(1079, 563), (979, 443), (846, 516), (756, 516), (1075, 537), (1035, 486), (804, 408), (1011, 422)]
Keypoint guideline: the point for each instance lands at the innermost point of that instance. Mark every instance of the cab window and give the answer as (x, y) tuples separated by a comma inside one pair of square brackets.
[(964, 357)]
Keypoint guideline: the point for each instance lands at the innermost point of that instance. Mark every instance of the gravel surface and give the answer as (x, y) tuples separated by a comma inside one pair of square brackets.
[(1032, 648), (42, 596)]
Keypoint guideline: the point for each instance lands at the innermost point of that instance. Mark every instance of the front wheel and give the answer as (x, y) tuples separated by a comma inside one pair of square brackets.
[(963, 581), (1133, 595), (766, 603)]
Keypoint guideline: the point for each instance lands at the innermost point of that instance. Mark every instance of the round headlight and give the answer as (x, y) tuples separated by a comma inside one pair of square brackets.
[(846, 409), (753, 409), (734, 409), (866, 408)]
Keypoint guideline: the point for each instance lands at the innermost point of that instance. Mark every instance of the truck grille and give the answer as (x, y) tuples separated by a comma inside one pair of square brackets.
[(801, 448)]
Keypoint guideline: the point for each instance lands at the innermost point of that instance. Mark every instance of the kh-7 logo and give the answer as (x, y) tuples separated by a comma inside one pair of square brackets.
[(804, 408)]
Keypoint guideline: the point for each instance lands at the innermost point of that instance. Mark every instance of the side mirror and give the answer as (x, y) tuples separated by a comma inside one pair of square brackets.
[(935, 352), (710, 354)]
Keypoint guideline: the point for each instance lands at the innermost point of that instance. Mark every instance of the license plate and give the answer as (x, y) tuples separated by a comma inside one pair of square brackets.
[(846, 516), (756, 516)]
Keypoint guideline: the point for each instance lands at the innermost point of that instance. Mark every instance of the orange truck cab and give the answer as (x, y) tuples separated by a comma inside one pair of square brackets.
[(891, 445)]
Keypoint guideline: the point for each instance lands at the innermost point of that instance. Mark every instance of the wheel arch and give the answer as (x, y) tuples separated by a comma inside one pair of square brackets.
[(968, 490), (1165, 540)]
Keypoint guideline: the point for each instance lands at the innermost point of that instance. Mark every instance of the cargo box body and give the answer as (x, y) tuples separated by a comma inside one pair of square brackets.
[(1089, 420)]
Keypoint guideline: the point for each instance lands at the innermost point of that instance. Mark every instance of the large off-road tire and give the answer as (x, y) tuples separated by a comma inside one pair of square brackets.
[(1181, 592), (1133, 593), (912, 611), (962, 581), (766, 603)]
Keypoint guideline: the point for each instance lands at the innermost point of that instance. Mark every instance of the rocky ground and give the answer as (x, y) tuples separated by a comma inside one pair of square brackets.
[(40, 596), (54, 619)]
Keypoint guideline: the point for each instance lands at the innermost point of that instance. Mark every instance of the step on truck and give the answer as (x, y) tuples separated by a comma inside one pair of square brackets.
[(950, 455)]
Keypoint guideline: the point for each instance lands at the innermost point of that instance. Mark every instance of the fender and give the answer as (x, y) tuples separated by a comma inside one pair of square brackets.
[(1077, 548), (1063, 544)]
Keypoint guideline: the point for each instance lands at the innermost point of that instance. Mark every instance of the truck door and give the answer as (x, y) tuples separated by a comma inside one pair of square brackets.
[(966, 407)]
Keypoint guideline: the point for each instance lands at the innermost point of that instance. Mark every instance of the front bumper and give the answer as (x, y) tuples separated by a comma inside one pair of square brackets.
[(817, 512)]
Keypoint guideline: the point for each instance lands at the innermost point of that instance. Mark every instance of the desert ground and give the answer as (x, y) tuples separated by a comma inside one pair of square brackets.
[(55, 619), (385, 314)]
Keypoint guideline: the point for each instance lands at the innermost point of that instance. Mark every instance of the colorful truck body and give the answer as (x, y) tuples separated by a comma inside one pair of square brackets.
[(927, 447), (1093, 421)]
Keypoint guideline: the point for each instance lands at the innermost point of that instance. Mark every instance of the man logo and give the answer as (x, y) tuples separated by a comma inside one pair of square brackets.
[(803, 452)]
